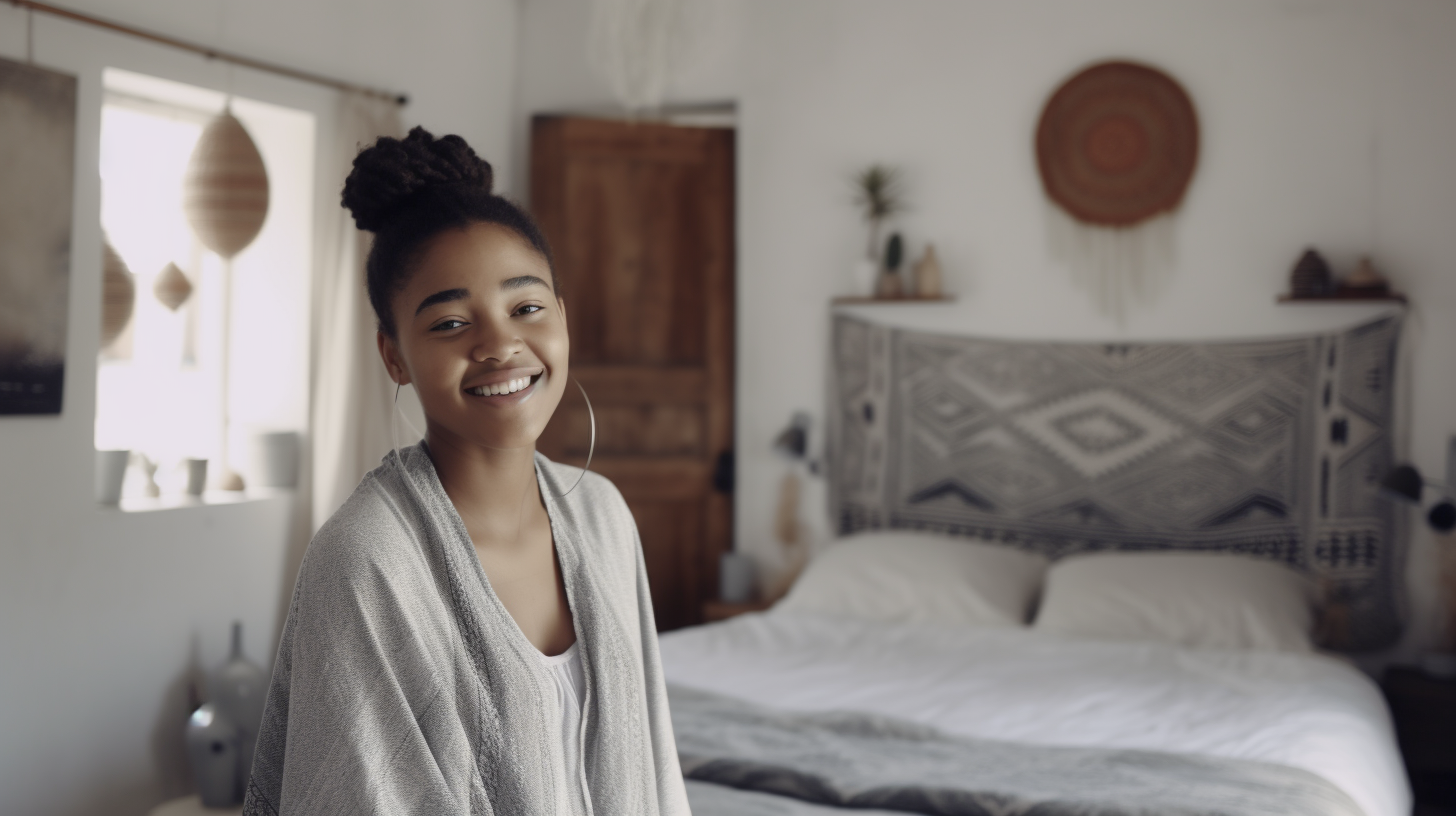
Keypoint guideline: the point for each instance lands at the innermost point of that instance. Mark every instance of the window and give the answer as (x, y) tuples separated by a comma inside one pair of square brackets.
[(160, 383)]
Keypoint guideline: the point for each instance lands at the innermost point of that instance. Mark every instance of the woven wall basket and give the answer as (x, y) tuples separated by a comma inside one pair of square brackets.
[(118, 295), (225, 191), (1117, 144)]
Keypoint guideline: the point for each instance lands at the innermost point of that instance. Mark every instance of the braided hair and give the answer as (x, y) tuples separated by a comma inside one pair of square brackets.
[(407, 191)]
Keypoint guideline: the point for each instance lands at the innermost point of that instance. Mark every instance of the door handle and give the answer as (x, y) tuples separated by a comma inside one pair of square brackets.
[(723, 472)]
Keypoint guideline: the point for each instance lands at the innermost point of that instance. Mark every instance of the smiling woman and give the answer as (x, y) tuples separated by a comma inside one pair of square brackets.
[(467, 633)]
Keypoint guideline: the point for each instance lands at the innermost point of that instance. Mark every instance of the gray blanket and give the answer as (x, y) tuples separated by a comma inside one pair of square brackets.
[(862, 761), (403, 686)]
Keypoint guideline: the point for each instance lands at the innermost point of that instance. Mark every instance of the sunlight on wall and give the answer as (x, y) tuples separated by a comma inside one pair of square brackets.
[(159, 385)]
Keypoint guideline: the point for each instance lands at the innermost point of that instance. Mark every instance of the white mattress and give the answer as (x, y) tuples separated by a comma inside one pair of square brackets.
[(1308, 711)]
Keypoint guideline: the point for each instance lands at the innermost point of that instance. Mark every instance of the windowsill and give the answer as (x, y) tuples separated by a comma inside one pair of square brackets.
[(210, 498)]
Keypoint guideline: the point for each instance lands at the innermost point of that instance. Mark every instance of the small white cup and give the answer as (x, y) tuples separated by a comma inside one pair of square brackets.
[(110, 474), (274, 459), (196, 476)]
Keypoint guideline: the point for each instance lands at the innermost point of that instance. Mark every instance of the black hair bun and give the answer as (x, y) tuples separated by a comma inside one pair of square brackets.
[(392, 171)]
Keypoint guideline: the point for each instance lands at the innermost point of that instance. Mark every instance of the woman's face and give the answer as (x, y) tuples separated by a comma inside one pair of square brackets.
[(481, 335)]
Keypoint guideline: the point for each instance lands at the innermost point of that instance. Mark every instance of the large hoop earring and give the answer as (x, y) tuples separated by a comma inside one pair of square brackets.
[(393, 420), (592, 448)]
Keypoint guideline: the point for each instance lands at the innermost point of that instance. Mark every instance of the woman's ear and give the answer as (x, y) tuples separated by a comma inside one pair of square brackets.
[(389, 352)]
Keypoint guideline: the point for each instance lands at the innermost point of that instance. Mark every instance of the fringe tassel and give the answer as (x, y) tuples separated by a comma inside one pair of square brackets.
[(1118, 266)]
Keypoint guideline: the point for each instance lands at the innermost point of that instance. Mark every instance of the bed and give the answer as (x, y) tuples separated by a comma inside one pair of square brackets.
[(1031, 632), (1310, 712)]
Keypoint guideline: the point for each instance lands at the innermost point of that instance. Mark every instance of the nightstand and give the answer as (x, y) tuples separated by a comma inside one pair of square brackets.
[(722, 610), (1424, 709)]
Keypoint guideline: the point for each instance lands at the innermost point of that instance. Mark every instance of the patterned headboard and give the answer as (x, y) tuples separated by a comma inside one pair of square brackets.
[(1273, 448)]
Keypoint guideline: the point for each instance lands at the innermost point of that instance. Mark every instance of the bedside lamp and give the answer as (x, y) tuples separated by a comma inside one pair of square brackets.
[(1407, 484), (792, 443)]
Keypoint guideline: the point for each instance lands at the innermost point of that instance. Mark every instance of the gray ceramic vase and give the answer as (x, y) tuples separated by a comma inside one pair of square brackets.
[(238, 689)]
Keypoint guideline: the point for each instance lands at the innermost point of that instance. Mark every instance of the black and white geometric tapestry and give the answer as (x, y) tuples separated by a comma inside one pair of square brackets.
[(1272, 448)]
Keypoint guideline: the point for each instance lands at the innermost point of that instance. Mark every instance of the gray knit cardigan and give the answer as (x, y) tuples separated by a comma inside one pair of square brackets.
[(403, 686)]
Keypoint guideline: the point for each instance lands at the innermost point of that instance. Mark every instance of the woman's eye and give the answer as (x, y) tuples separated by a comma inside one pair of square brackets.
[(529, 308), (446, 325)]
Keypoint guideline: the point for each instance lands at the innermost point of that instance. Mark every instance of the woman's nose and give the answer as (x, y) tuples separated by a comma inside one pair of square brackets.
[(494, 340)]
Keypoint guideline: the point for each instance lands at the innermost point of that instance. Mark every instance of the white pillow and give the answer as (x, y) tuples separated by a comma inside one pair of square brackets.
[(911, 577), (1202, 600)]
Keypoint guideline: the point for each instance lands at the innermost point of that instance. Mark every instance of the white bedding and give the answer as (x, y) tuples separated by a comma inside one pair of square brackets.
[(1308, 711)]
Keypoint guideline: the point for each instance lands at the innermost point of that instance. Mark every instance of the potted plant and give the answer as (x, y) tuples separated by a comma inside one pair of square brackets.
[(879, 195)]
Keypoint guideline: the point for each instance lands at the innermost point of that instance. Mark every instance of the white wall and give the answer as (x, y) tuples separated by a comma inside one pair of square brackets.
[(103, 613), (1325, 122)]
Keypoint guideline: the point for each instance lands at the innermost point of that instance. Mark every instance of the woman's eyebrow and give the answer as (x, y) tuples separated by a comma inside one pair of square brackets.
[(442, 297), (522, 281)]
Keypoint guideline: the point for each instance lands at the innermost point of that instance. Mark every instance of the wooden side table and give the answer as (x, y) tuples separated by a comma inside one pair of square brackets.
[(722, 610), (1424, 710)]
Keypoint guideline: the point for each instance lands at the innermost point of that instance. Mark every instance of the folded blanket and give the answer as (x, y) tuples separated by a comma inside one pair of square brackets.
[(859, 761)]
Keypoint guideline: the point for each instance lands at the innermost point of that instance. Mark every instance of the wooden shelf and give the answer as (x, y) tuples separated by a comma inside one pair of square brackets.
[(865, 301), (1346, 297)]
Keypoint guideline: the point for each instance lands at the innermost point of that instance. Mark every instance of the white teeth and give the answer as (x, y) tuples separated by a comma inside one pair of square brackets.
[(507, 387)]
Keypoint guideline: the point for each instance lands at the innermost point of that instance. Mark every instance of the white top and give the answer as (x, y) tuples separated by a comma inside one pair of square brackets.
[(566, 674)]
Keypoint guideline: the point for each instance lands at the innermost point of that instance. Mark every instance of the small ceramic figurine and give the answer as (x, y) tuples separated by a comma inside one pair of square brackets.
[(927, 275), (1366, 279), (148, 470)]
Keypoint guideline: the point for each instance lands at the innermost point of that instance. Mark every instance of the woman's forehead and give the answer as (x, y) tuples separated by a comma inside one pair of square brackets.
[(480, 258)]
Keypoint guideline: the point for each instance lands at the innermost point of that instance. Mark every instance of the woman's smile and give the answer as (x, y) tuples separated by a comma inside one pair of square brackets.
[(507, 387)]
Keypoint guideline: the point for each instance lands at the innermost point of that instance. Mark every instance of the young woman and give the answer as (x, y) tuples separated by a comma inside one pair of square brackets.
[(471, 633)]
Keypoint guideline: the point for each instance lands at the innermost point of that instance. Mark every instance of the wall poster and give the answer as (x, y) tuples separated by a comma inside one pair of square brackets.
[(37, 160)]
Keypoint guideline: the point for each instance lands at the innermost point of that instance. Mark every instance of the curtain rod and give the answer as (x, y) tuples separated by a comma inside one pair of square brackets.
[(210, 53)]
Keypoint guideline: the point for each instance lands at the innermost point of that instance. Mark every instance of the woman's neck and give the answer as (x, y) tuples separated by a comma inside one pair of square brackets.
[(494, 490)]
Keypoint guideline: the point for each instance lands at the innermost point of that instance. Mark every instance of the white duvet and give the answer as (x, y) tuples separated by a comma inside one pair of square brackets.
[(1308, 711)]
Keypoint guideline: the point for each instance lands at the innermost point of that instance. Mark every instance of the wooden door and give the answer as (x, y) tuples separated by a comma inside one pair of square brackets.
[(640, 221)]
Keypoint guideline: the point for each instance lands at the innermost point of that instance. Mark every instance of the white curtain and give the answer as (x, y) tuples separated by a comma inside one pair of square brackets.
[(352, 393)]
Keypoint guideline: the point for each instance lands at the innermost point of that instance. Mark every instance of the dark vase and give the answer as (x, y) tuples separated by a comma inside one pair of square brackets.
[(238, 690), (1311, 276), (212, 750)]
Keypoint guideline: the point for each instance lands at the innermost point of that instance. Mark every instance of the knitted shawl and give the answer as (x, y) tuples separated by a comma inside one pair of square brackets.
[(403, 686)]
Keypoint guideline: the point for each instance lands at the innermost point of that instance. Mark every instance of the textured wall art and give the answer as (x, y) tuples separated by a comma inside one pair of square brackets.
[(1271, 448), (1116, 145), (38, 131)]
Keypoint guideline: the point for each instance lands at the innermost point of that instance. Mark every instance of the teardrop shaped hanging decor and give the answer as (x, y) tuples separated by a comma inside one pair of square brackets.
[(118, 295), (172, 287), (225, 191)]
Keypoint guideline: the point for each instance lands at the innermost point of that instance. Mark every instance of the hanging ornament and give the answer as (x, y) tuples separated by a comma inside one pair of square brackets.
[(1116, 145), (172, 287), (640, 46), (225, 191), (225, 196), (118, 294)]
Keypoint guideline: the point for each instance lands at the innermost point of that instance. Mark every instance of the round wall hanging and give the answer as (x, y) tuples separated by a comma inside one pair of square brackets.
[(1117, 144)]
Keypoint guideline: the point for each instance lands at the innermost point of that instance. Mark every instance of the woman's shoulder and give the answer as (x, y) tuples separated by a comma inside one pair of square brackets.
[(371, 527)]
